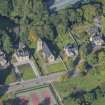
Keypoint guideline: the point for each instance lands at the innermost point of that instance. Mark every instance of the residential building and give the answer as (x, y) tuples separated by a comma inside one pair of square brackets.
[(22, 55), (71, 50), (93, 31), (3, 60), (47, 52), (97, 40), (97, 22)]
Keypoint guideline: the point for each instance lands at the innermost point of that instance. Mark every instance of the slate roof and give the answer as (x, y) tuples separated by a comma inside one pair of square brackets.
[(71, 48), (97, 37), (22, 53), (93, 31), (46, 50), (3, 57), (49, 48)]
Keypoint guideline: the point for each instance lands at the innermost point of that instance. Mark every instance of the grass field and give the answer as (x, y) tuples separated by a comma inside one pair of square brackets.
[(57, 67), (10, 78), (26, 71), (6, 96), (86, 83), (7, 76), (100, 101)]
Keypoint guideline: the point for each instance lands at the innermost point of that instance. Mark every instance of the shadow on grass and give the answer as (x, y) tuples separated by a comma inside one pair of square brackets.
[(84, 97), (4, 73)]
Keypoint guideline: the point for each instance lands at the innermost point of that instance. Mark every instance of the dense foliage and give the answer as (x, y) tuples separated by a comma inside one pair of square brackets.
[(33, 19)]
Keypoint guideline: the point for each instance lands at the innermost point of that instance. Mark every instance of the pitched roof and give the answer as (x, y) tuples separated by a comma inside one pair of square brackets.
[(71, 48), (22, 52), (93, 31), (97, 37), (46, 50)]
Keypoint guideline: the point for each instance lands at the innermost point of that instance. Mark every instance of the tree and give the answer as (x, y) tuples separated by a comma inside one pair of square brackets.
[(89, 12), (92, 59), (23, 37), (7, 44), (5, 7)]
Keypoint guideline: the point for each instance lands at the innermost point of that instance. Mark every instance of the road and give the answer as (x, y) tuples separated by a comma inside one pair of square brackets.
[(38, 81)]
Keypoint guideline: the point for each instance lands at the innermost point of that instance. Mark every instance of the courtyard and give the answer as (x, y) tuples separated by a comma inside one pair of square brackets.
[(26, 72)]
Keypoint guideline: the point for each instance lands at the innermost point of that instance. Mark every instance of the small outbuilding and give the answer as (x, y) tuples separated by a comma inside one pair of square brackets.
[(3, 60), (71, 50), (97, 40)]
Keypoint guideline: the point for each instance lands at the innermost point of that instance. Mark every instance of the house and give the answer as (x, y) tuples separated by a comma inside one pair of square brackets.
[(92, 31), (22, 54), (97, 22), (3, 60), (96, 40), (71, 50), (47, 52)]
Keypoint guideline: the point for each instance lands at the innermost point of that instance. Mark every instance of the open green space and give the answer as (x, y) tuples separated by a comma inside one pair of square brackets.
[(6, 96), (50, 68), (10, 78), (100, 101), (7, 76), (26, 72), (56, 67), (87, 83)]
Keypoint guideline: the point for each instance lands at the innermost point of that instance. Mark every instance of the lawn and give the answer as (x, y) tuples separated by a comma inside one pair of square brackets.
[(10, 78), (26, 71), (57, 67), (103, 24), (86, 83), (6, 96), (7, 76), (100, 101)]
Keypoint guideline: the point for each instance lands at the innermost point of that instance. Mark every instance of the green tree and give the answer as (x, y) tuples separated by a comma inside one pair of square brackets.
[(7, 44), (5, 7), (23, 38), (92, 59), (89, 12)]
